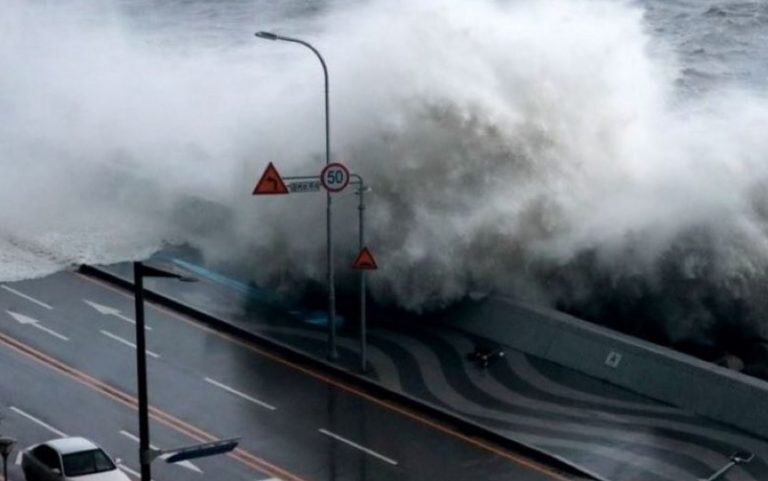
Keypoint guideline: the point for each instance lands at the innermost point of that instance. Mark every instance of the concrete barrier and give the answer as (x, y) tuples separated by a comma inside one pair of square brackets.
[(642, 367)]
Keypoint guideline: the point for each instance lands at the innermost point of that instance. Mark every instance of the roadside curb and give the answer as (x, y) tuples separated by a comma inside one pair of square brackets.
[(453, 420)]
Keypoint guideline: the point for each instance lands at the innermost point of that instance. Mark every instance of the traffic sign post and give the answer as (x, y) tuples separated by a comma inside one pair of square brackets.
[(334, 178), (363, 263), (332, 352)]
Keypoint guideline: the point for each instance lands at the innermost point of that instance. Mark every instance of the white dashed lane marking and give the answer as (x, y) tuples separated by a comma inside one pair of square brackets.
[(25, 296), (37, 421), (240, 394), (128, 343), (359, 447)]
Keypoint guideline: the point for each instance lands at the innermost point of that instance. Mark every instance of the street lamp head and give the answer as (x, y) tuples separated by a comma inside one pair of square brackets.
[(148, 271), (6, 446), (267, 35)]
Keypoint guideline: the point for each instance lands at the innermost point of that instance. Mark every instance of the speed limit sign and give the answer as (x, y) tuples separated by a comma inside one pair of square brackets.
[(334, 177)]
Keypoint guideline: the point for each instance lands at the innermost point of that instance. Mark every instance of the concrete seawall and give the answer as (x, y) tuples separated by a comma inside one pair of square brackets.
[(640, 366)]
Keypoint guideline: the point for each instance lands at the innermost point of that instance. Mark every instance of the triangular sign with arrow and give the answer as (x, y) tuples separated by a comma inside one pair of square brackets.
[(365, 261), (270, 182)]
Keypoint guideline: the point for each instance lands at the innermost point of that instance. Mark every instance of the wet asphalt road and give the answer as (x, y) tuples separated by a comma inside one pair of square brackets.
[(69, 368)]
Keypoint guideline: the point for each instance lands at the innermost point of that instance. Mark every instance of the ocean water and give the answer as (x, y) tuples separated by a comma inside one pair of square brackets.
[(603, 156)]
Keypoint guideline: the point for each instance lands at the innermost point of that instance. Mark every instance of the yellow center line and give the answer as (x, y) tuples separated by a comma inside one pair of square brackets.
[(479, 443), (244, 457)]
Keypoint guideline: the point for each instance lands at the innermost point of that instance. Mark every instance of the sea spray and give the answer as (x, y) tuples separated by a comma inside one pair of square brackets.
[(540, 149)]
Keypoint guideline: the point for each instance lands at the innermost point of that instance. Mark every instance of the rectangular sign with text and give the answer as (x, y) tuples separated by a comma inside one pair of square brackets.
[(298, 187)]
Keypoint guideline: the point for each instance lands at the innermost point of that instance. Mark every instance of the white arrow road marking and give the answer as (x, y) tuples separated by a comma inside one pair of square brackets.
[(184, 464), (37, 421), (357, 446), (24, 296), (111, 311), (238, 393), (127, 343), (22, 319)]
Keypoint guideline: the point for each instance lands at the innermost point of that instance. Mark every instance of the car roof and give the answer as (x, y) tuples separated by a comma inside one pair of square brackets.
[(71, 445)]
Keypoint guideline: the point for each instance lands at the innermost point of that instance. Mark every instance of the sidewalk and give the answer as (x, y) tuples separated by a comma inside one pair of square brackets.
[(607, 431)]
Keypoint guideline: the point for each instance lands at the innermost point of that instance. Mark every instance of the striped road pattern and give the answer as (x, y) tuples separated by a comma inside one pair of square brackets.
[(611, 433)]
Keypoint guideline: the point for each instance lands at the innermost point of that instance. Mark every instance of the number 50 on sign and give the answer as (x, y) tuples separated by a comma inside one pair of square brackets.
[(334, 177)]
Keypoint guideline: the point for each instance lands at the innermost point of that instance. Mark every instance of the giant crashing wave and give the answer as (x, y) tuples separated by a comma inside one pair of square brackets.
[(537, 149)]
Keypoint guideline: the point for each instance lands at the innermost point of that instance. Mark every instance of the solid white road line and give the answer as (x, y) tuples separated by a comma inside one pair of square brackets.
[(183, 464), (357, 446), (37, 421), (127, 343), (132, 437), (24, 296), (18, 459), (242, 395)]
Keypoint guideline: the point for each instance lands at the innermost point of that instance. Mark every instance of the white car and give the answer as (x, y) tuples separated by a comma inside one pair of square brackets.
[(65, 459)]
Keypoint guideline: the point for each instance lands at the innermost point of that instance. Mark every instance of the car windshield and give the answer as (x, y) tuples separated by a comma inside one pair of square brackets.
[(87, 462)]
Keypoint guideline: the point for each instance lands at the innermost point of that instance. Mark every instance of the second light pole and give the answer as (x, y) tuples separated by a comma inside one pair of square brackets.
[(332, 352)]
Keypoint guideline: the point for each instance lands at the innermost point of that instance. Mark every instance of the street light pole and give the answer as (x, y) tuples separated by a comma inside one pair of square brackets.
[(332, 352), (141, 372), (140, 271)]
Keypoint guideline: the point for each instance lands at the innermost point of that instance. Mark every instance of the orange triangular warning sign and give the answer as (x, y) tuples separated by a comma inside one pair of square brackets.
[(365, 261), (270, 182)]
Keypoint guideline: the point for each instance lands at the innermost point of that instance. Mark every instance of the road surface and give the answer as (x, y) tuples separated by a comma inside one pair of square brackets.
[(66, 347)]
